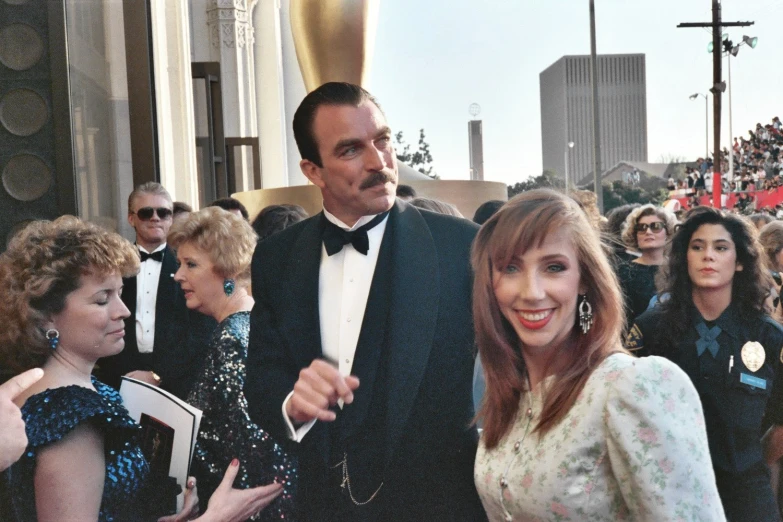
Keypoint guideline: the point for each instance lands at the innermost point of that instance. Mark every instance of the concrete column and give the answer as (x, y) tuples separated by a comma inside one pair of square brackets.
[(295, 92), (174, 99), (232, 44), (270, 98)]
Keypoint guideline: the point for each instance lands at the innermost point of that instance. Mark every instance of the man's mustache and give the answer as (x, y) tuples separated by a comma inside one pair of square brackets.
[(378, 177)]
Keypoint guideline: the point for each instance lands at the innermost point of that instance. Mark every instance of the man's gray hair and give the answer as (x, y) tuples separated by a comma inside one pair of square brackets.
[(150, 187)]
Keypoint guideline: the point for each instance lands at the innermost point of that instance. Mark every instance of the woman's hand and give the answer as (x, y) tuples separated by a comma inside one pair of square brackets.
[(233, 505), (190, 508)]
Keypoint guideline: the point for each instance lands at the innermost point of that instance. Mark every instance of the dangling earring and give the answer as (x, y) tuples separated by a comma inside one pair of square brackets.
[(228, 286), (54, 338), (585, 314)]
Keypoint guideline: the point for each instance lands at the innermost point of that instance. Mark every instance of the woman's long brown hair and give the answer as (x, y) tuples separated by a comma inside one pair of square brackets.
[(523, 222)]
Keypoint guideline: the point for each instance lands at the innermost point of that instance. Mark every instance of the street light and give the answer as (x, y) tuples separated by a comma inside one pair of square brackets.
[(568, 147), (724, 37), (733, 50), (706, 123), (750, 41)]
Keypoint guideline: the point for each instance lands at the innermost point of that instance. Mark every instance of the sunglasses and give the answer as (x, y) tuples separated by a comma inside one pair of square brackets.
[(145, 213), (655, 227)]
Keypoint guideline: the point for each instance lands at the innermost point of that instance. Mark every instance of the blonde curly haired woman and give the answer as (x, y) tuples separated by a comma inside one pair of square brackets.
[(647, 229)]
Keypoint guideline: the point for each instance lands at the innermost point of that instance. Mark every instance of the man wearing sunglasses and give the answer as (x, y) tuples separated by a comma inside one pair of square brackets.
[(163, 339)]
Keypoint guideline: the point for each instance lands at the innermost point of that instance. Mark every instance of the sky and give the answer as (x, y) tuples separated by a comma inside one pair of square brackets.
[(433, 58)]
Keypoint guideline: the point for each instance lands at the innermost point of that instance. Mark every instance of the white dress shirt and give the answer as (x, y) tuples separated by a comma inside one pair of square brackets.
[(146, 297), (344, 281)]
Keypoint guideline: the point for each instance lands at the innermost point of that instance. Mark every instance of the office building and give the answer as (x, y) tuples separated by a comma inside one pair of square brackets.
[(567, 113)]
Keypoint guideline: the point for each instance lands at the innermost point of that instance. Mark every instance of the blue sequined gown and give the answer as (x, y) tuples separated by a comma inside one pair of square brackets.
[(226, 430), (54, 413)]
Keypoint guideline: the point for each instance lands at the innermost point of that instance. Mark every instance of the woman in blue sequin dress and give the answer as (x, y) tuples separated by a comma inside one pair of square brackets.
[(214, 248), (61, 308)]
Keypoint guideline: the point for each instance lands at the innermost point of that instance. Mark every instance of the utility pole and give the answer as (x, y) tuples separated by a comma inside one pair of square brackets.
[(717, 61), (597, 174)]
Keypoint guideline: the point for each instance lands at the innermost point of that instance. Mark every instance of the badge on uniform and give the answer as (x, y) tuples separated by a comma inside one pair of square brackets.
[(753, 355)]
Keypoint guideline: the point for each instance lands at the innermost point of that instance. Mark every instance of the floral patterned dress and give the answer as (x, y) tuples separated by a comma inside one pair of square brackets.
[(632, 447)]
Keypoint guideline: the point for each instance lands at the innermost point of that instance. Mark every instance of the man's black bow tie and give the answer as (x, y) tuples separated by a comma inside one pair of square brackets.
[(155, 256), (335, 238)]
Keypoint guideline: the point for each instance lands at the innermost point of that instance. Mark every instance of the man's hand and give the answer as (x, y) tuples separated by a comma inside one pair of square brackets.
[(145, 376), (319, 387), (13, 439)]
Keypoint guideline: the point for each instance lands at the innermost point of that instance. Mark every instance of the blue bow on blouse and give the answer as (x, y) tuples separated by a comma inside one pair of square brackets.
[(708, 339)]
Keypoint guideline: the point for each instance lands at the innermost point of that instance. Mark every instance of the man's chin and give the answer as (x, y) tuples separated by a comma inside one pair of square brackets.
[(383, 203), (156, 238)]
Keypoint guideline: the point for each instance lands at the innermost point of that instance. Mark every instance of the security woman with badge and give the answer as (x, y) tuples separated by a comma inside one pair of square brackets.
[(714, 326)]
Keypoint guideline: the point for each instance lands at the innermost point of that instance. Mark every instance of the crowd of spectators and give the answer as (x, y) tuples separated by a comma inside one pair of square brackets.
[(757, 163)]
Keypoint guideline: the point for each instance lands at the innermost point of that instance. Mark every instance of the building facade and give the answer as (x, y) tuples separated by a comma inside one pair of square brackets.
[(567, 113), (97, 96)]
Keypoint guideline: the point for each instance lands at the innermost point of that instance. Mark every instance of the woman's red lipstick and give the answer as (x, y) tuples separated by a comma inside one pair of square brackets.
[(531, 320)]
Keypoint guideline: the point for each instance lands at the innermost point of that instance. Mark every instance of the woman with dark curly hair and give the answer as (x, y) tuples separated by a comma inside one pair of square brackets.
[(61, 310), (714, 326)]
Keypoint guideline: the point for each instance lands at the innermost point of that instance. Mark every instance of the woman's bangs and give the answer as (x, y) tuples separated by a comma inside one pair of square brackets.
[(519, 229)]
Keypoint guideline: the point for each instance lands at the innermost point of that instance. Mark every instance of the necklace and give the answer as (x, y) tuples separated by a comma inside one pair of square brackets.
[(503, 482)]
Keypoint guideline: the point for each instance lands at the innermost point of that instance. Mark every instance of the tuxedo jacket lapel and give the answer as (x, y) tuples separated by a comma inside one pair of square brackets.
[(371, 338), (299, 304), (131, 351), (413, 315), (165, 304), (129, 298)]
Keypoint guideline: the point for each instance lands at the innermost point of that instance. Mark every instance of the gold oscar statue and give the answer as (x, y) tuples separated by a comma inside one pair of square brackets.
[(334, 39)]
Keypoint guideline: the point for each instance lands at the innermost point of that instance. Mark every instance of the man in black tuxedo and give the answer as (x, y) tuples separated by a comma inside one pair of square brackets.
[(164, 341), (361, 338)]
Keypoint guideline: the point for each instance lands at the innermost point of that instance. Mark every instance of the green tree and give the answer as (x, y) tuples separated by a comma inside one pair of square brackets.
[(420, 159), (547, 179), (618, 193), (649, 190)]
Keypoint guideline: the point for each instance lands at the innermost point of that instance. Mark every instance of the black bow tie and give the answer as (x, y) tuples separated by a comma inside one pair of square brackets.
[(155, 256), (335, 238)]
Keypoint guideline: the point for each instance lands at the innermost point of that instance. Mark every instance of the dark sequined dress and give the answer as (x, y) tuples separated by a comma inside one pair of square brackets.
[(54, 413), (226, 430), (637, 281)]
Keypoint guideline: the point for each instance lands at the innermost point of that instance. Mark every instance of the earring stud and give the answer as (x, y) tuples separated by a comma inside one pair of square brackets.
[(54, 338)]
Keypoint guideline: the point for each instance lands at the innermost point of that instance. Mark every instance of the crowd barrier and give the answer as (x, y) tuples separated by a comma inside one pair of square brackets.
[(759, 198)]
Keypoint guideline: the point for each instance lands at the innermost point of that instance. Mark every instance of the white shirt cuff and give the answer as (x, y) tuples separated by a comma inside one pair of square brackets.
[(293, 434)]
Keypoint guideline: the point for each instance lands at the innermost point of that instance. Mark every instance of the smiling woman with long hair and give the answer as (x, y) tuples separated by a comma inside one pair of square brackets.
[(714, 326), (574, 426)]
